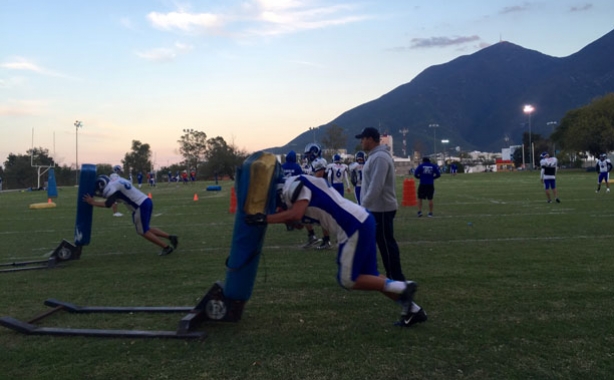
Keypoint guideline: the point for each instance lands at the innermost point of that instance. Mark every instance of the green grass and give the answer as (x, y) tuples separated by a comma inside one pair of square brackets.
[(523, 292)]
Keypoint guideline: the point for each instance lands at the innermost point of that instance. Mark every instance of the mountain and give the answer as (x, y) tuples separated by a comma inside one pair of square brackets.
[(477, 100)]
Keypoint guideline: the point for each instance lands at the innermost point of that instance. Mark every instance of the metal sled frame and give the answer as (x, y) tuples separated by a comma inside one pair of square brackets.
[(64, 252), (213, 306)]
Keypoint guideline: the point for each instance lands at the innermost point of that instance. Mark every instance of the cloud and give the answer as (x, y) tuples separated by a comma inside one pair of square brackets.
[(22, 107), (165, 54), (23, 64), (516, 8), (158, 55), (585, 7), (184, 21), (258, 17), (419, 43)]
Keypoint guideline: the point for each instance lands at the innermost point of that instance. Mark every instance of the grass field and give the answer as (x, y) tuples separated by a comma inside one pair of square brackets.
[(515, 288)]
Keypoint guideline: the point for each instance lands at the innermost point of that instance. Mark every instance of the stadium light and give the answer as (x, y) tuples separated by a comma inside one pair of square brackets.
[(528, 109), (434, 126), (444, 142), (78, 125)]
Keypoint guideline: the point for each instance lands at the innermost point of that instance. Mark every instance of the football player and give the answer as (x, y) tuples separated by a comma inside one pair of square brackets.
[(141, 206), (337, 174), (604, 166), (356, 173), (548, 175), (309, 196)]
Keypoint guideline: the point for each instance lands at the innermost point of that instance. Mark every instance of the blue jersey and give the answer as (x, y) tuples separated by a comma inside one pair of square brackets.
[(427, 173)]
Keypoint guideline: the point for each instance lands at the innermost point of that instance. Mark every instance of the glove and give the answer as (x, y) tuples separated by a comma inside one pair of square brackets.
[(258, 219)]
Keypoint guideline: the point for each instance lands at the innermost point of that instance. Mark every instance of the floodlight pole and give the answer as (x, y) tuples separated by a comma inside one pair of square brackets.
[(78, 125), (434, 126), (528, 109), (553, 124)]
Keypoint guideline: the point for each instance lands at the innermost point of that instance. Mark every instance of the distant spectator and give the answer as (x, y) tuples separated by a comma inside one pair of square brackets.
[(427, 173)]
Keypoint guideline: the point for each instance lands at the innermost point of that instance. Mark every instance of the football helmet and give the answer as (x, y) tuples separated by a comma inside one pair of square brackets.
[(318, 164), (603, 156), (544, 155), (336, 158), (313, 151), (101, 182), (117, 169), (360, 157)]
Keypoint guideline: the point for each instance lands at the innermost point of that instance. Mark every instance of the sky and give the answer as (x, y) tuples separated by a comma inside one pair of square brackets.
[(255, 72)]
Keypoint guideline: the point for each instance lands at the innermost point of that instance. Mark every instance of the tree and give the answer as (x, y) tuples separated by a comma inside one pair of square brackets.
[(334, 139), (589, 128), (193, 147), (18, 170), (139, 159), (222, 159)]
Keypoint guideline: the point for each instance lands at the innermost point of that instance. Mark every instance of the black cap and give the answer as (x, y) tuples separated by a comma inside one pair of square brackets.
[(369, 132)]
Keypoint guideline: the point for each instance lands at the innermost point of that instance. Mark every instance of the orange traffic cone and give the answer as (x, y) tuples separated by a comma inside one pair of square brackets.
[(149, 196), (233, 201), (49, 200), (195, 197), (409, 192)]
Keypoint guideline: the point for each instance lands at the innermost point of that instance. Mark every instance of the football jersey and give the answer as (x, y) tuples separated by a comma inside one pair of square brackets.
[(356, 173), (548, 166), (121, 190), (334, 212), (604, 165), (337, 173)]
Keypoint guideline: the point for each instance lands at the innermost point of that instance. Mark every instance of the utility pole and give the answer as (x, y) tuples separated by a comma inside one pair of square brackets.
[(404, 132)]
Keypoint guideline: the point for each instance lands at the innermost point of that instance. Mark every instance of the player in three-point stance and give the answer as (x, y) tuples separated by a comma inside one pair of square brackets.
[(604, 166), (308, 196), (120, 190), (548, 175)]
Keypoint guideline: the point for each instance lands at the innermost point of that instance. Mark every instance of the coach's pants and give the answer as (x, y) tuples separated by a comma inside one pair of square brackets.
[(388, 247)]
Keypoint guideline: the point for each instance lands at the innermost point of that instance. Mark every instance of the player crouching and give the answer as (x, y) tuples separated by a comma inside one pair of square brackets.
[(357, 255)]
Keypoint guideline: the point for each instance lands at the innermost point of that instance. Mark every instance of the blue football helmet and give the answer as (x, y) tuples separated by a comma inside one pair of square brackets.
[(313, 151), (101, 182), (360, 157), (603, 156), (336, 158), (318, 164), (117, 169), (544, 155)]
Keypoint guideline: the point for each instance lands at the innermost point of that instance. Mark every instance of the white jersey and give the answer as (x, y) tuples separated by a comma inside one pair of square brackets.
[(332, 211), (337, 173), (121, 190), (548, 166), (604, 165), (306, 168), (356, 173)]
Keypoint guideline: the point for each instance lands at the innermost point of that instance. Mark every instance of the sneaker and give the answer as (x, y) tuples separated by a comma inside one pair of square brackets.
[(174, 241), (413, 318), (166, 251), (407, 297), (549, 200), (311, 241), (419, 214), (558, 200), (325, 245), (430, 215), (607, 190), (118, 214)]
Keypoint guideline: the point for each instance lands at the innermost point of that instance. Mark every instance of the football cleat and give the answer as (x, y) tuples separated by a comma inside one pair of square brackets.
[(412, 318), (174, 241), (325, 245), (311, 241), (166, 251)]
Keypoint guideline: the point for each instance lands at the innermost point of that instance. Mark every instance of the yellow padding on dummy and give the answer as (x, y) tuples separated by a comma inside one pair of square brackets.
[(261, 173), (35, 206)]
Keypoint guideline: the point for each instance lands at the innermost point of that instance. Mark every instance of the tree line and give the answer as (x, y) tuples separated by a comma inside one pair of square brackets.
[(208, 157)]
